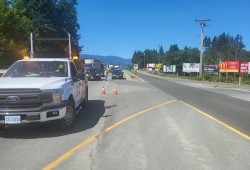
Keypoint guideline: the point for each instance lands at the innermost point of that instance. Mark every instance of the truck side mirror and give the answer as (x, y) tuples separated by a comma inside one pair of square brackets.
[(80, 75)]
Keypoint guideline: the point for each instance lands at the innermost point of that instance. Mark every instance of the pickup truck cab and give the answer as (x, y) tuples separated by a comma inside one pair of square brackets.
[(39, 90)]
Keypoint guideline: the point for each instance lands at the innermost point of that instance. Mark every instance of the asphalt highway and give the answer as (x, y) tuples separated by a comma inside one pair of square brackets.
[(231, 110)]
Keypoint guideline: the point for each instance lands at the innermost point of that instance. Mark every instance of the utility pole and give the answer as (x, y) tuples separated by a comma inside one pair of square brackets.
[(144, 60), (219, 67), (202, 23)]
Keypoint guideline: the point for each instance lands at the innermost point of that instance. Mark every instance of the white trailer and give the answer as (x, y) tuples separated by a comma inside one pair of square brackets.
[(93, 63)]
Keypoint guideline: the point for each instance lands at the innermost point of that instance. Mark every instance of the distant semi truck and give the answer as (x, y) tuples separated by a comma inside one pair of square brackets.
[(93, 63)]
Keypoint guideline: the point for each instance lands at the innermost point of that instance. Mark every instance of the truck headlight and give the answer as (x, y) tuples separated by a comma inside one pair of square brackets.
[(56, 95)]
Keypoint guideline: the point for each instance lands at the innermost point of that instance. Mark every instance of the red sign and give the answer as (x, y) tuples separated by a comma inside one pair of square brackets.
[(229, 66), (244, 67)]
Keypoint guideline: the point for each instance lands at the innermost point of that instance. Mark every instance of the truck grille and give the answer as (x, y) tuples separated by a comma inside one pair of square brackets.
[(23, 99)]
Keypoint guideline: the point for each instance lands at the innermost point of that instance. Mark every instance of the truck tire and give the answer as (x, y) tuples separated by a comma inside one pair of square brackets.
[(67, 122)]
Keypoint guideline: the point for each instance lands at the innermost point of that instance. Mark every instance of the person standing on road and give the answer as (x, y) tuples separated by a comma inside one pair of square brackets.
[(106, 72)]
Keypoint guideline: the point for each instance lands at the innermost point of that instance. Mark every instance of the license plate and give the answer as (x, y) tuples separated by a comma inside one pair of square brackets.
[(12, 119)]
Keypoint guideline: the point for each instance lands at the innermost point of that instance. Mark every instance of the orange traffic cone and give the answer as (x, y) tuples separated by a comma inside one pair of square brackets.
[(103, 90), (115, 91)]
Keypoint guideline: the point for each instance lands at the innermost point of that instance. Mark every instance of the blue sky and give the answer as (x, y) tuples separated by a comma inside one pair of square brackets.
[(120, 27)]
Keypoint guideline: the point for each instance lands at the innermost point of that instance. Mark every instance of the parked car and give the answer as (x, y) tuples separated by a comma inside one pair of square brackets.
[(93, 74), (117, 74)]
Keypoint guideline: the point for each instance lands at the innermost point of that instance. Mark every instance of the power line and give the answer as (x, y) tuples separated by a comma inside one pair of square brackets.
[(202, 23)]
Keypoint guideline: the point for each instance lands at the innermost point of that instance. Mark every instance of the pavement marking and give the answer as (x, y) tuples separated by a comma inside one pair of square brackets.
[(233, 88), (128, 77), (94, 137), (136, 76), (70, 152), (243, 90), (218, 121), (136, 114), (240, 98)]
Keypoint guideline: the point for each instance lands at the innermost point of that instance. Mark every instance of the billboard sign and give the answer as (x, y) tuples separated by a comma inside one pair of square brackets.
[(229, 66), (211, 68), (244, 67), (169, 69), (191, 67), (151, 65), (248, 67), (135, 66), (159, 65)]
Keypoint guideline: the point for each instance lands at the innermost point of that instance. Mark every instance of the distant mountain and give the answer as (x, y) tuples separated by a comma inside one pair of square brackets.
[(114, 60)]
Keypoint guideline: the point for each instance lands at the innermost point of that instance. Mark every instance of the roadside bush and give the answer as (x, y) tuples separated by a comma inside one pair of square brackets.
[(232, 79), (210, 77), (245, 80)]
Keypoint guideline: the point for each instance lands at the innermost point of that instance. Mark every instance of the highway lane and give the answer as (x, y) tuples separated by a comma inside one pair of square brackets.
[(173, 136), (231, 110)]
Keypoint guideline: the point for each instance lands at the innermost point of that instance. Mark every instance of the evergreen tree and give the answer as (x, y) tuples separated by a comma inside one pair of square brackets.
[(14, 28), (46, 19)]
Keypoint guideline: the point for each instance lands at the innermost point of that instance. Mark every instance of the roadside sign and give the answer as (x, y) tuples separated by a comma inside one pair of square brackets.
[(211, 68), (229, 66), (244, 67), (248, 67), (150, 66), (135, 66), (191, 67), (169, 69), (159, 65)]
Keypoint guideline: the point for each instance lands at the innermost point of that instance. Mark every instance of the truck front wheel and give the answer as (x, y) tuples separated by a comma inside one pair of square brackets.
[(67, 122)]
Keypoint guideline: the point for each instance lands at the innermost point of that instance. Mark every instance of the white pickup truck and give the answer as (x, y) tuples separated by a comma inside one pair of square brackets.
[(39, 90)]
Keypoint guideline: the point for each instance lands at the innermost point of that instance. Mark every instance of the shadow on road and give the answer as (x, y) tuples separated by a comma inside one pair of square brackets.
[(119, 79), (87, 119)]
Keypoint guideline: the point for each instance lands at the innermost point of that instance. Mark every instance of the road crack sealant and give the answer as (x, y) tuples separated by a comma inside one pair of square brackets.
[(108, 105)]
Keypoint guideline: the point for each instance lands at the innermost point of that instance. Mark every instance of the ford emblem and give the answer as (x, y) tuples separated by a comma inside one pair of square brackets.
[(13, 99)]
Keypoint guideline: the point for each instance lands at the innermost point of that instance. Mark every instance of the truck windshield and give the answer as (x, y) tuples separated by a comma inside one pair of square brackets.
[(38, 69)]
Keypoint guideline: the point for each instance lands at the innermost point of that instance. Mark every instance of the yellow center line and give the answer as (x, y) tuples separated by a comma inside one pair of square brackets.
[(92, 138), (218, 121), (135, 115)]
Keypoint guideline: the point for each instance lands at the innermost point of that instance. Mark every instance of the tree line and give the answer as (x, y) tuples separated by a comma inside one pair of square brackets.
[(45, 19), (222, 47)]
